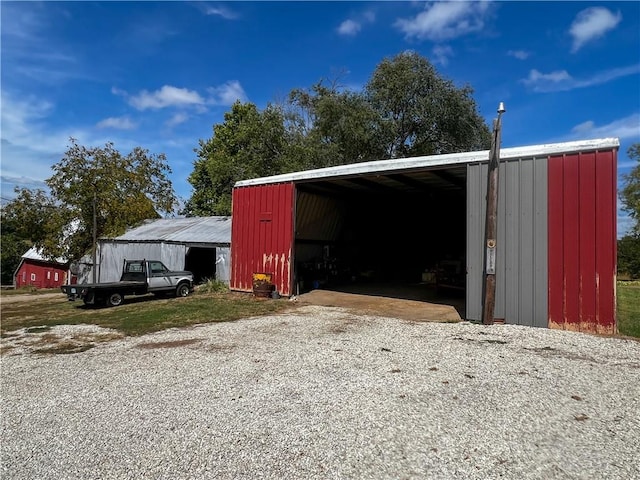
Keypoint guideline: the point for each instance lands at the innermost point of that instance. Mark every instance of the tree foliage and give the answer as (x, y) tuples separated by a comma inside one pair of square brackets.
[(405, 109), (13, 246), (630, 192), (629, 256), (125, 190), (248, 144), (340, 125), (422, 113)]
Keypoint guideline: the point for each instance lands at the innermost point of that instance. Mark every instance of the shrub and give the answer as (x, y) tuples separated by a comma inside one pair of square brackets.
[(211, 285)]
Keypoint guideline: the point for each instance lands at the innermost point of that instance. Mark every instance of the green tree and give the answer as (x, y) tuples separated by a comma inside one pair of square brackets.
[(248, 144), (629, 256), (340, 126), (124, 189), (422, 113), (630, 192), (12, 247), (32, 218), (406, 109)]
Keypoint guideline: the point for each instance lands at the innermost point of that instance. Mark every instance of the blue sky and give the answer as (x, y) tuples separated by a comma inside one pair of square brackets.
[(161, 74)]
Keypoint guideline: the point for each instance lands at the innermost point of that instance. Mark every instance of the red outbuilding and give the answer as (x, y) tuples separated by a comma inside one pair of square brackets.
[(406, 221), (34, 270)]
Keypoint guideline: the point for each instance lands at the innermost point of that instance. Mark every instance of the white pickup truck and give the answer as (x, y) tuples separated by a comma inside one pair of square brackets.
[(139, 277)]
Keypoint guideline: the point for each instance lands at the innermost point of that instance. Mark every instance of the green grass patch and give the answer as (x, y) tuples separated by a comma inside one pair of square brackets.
[(138, 315), (628, 312)]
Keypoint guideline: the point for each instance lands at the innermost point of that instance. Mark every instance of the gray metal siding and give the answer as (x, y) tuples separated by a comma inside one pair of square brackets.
[(223, 264), (521, 256), (476, 209)]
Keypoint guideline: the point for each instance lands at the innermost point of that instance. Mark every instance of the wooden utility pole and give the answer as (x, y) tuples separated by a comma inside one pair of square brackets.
[(95, 235), (491, 223)]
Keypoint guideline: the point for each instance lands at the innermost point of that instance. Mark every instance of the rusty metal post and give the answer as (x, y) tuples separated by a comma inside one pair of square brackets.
[(491, 223)]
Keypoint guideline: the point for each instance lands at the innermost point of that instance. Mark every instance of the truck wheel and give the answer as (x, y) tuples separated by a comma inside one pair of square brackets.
[(182, 290), (114, 299)]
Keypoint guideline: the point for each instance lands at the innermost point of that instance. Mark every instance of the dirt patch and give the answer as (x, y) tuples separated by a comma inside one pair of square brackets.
[(58, 339), (383, 306), (172, 344), (30, 298)]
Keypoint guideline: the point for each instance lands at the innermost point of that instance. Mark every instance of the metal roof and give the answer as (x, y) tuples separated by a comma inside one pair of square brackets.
[(212, 230), (35, 254), (446, 170)]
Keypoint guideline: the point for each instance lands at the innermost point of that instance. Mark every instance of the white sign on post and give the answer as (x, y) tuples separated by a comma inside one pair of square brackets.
[(491, 257)]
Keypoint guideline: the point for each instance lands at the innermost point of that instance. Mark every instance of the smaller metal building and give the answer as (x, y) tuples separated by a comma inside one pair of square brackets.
[(198, 244), (396, 219)]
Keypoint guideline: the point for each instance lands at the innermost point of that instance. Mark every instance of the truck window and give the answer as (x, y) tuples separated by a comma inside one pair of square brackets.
[(134, 268), (157, 267)]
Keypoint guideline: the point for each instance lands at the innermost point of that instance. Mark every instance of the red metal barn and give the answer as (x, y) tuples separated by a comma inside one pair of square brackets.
[(396, 221), (36, 271)]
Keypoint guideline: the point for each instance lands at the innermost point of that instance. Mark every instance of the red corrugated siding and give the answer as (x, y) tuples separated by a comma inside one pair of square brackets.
[(45, 274), (582, 241), (262, 235)]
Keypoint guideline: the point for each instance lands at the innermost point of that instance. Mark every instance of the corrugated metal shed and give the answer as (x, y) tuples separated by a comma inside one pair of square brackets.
[(397, 218), (193, 230), (198, 244)]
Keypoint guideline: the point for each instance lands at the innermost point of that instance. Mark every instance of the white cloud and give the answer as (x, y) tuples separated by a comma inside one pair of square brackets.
[(584, 127), (352, 26), (349, 27), (445, 20), (441, 54), (592, 23), (29, 148), (18, 115), (624, 128), (227, 93), (167, 96), (119, 92), (119, 123), (33, 141), (221, 11), (519, 54), (30, 51), (544, 81), (561, 80), (177, 119)]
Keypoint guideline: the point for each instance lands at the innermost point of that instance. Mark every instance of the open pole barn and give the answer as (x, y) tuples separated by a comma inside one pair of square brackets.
[(200, 245), (419, 223), (37, 271)]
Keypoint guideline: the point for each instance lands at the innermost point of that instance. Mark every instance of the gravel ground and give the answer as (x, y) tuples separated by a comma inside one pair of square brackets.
[(321, 393)]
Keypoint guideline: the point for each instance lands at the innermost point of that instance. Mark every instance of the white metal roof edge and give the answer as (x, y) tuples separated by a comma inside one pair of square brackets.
[(36, 254), (410, 163)]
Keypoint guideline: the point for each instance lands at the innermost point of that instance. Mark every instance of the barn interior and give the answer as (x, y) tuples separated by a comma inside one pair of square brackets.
[(201, 261), (401, 235)]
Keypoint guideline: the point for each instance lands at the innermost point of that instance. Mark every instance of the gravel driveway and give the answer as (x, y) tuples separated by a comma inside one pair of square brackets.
[(320, 393)]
